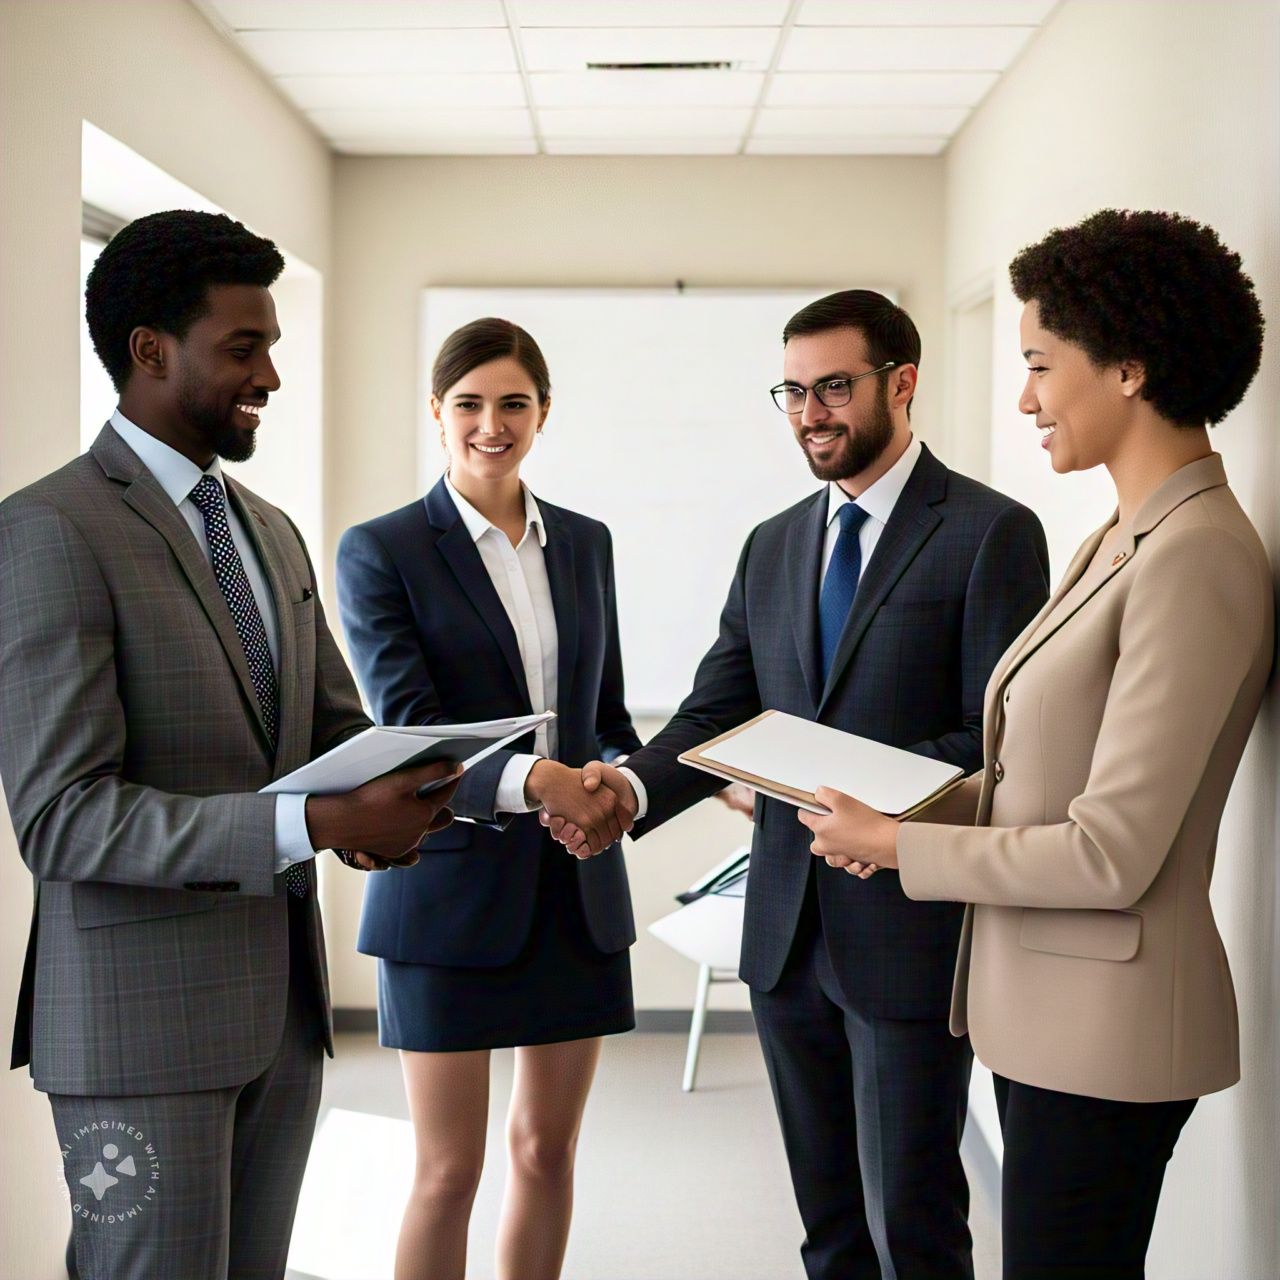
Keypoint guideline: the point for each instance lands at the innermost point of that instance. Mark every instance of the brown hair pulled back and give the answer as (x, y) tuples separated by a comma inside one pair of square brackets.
[(480, 342)]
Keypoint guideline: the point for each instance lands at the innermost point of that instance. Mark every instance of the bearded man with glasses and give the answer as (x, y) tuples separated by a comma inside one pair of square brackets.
[(879, 606)]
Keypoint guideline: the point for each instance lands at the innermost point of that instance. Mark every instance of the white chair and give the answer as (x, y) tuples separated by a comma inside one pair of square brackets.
[(707, 931)]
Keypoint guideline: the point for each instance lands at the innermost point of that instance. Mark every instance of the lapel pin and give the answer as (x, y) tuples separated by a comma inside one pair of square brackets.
[(1117, 560), (306, 593)]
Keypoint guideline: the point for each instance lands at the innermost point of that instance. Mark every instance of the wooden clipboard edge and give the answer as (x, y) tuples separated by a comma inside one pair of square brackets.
[(801, 799), (776, 791)]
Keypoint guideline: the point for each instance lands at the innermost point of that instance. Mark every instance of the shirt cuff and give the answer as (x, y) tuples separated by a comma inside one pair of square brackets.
[(293, 841), (642, 796), (510, 797)]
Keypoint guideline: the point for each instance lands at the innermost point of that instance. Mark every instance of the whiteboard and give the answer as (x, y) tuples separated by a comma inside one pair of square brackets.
[(661, 425)]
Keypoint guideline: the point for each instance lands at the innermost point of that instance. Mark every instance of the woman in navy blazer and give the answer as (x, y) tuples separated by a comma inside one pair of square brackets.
[(475, 603)]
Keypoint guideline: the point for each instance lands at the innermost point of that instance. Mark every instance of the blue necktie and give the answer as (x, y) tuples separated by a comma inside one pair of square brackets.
[(841, 583), (228, 568)]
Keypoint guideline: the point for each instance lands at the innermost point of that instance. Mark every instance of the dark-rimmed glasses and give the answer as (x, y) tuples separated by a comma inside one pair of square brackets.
[(830, 392)]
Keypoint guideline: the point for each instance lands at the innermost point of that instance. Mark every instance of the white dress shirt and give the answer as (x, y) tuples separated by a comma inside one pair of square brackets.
[(177, 475), (519, 576), (878, 501)]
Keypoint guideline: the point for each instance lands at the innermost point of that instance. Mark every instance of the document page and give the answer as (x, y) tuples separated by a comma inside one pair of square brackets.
[(797, 754), (381, 749)]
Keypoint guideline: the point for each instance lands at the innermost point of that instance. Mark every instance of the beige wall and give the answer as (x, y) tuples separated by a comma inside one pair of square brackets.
[(1147, 104), (403, 224), (155, 75)]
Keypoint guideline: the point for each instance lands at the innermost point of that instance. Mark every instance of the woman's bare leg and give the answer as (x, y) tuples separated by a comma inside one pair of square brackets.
[(449, 1105), (551, 1086)]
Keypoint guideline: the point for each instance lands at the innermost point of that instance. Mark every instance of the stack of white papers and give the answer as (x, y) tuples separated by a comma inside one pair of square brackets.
[(383, 748)]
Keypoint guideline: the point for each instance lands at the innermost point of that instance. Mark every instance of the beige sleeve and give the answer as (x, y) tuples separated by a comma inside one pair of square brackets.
[(1191, 630)]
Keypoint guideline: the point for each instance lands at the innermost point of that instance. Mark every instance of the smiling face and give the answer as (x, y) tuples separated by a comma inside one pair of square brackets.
[(1083, 410), (489, 420), (842, 442), (222, 370)]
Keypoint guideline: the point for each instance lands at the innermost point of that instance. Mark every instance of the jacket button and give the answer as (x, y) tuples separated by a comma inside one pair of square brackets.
[(997, 771)]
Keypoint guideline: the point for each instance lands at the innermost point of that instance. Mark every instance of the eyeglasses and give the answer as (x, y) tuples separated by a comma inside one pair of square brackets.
[(830, 392)]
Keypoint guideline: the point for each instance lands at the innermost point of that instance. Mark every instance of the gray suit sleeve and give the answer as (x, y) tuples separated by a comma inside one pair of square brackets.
[(63, 735)]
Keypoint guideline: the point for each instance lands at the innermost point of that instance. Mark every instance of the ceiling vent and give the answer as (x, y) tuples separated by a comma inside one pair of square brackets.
[(660, 66)]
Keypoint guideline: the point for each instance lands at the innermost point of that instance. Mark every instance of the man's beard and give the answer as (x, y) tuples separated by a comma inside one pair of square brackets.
[(230, 442), (862, 446)]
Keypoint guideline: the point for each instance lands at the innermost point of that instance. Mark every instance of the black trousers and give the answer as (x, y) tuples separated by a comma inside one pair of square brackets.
[(872, 1110), (1081, 1181)]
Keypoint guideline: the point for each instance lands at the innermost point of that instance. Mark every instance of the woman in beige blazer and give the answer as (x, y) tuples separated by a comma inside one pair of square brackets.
[(1091, 976)]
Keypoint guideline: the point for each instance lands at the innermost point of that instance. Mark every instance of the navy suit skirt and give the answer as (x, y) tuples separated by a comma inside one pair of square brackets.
[(560, 987)]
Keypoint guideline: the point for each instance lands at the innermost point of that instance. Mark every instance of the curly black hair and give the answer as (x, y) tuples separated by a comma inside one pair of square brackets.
[(1156, 288), (157, 271)]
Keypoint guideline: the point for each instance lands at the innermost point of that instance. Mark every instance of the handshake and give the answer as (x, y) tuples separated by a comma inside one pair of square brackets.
[(585, 809)]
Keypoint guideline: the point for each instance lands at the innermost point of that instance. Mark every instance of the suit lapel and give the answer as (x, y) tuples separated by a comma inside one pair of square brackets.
[(1067, 601), (455, 544), (144, 494), (288, 691), (803, 566), (911, 524), (559, 557)]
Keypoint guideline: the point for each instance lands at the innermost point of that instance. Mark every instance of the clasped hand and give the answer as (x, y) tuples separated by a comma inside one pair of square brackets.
[(853, 836), (583, 809)]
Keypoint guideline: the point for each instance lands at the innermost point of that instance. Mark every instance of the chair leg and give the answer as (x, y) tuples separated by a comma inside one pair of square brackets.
[(696, 1024)]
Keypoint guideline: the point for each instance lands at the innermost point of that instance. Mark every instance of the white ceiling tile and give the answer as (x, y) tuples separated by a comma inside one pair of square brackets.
[(356, 15), (869, 89), (432, 122), (650, 13), (315, 92), (550, 49), (903, 48), (642, 146), (924, 13), (639, 122), (284, 53), (427, 146), (862, 122), (846, 146), (646, 88)]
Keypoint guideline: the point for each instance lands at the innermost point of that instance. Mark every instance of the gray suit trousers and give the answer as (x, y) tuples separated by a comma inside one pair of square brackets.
[(210, 1179)]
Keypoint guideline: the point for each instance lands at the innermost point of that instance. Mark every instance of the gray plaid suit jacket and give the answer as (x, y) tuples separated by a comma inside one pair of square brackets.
[(131, 750)]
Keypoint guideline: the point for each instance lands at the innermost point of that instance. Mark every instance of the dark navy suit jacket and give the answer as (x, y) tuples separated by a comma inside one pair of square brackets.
[(958, 571), (432, 643)]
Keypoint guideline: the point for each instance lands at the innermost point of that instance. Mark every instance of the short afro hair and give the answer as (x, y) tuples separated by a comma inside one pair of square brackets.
[(1157, 288), (157, 272)]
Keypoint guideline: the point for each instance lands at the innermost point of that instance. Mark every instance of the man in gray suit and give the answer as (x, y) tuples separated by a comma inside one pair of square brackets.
[(163, 656)]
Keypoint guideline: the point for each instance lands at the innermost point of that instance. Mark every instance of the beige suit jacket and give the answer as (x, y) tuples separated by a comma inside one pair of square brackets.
[(1090, 962)]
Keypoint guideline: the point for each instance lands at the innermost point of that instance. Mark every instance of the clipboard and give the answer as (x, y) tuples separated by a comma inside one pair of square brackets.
[(929, 780)]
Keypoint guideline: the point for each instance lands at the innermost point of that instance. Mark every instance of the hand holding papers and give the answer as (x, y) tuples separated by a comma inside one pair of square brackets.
[(852, 792), (385, 790)]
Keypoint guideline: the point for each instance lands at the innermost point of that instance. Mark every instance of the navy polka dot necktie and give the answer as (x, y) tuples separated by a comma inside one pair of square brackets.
[(841, 583), (228, 568)]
